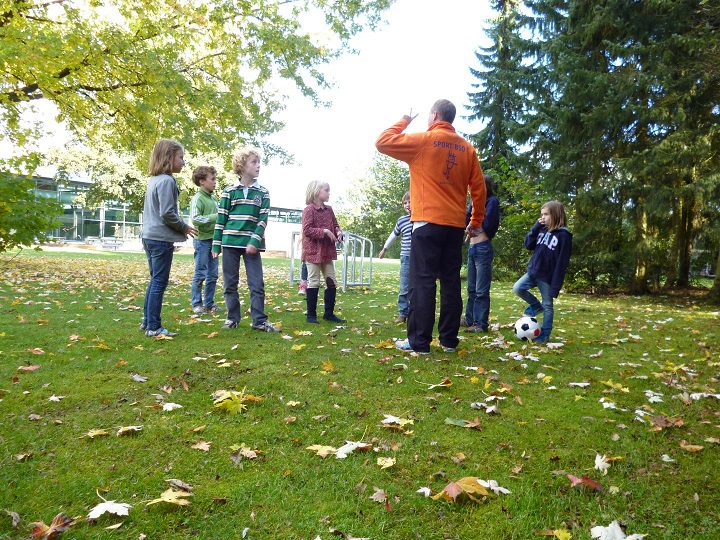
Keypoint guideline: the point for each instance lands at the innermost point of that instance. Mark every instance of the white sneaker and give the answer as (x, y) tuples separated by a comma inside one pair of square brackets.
[(162, 331), (404, 345)]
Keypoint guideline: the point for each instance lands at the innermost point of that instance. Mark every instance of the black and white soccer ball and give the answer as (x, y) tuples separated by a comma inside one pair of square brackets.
[(527, 328)]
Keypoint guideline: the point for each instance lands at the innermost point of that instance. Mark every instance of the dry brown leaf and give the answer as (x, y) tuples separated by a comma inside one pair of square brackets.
[(468, 486)]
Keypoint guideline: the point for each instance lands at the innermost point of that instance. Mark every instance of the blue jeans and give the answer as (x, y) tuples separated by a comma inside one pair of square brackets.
[(522, 287), (206, 270), (479, 276), (159, 256), (231, 277), (403, 301)]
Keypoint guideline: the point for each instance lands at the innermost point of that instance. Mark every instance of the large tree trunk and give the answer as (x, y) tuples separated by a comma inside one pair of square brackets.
[(715, 291), (640, 280), (685, 236)]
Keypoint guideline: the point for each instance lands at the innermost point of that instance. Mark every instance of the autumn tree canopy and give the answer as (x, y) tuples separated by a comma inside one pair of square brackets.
[(208, 73)]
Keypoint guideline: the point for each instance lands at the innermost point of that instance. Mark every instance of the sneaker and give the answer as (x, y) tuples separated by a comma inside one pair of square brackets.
[(464, 323), (162, 331), (214, 308), (265, 326), (404, 345), (530, 311), (542, 338), (142, 326), (302, 289), (199, 310), (334, 318), (401, 319), (229, 325), (448, 349), (312, 319), (475, 329)]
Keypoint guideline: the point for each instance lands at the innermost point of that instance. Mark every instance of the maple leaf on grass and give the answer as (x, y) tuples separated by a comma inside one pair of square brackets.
[(229, 401), (385, 462), (322, 451), (112, 507), (574, 481), (128, 430), (560, 534), (59, 524), (350, 446), (468, 486), (613, 532), (173, 497)]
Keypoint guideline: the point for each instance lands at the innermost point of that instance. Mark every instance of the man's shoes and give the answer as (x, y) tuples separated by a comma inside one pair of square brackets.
[(448, 349), (312, 319), (542, 338), (229, 325), (530, 311), (334, 318), (401, 319), (265, 326), (199, 310), (162, 331), (404, 345), (475, 329), (464, 323), (142, 326), (302, 289), (214, 308)]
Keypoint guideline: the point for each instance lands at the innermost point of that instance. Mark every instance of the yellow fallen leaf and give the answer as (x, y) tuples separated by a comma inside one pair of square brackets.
[(173, 497), (385, 462), (690, 447), (322, 451)]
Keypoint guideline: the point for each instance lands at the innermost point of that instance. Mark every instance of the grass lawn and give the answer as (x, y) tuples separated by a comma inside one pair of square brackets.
[(76, 370)]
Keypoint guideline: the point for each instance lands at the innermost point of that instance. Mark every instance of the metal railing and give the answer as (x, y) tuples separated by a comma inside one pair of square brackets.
[(356, 254)]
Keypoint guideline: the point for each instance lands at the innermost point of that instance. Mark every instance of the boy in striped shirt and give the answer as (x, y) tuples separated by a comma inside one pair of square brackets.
[(403, 229), (240, 233)]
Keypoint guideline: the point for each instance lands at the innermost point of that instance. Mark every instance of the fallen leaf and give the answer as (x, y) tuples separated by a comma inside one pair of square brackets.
[(14, 517), (59, 524), (173, 497), (574, 481), (202, 445), (322, 451), (120, 509), (468, 486), (171, 406), (613, 532), (127, 430), (385, 462), (690, 447)]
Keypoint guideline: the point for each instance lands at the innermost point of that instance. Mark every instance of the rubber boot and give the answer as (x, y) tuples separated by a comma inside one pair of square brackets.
[(311, 297), (329, 314)]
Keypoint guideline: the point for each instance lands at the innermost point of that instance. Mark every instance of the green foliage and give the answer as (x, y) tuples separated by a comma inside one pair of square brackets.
[(375, 203), (204, 73), (24, 219), (617, 112)]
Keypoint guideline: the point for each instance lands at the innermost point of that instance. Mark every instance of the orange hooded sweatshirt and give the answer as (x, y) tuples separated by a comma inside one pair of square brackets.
[(443, 166)]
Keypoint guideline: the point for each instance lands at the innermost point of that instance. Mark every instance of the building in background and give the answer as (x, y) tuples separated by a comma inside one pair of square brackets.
[(115, 225)]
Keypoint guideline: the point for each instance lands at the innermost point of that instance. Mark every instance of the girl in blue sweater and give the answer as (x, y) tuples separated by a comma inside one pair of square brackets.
[(551, 243)]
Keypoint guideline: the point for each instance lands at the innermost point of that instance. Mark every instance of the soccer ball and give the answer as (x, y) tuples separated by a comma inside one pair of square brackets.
[(527, 328)]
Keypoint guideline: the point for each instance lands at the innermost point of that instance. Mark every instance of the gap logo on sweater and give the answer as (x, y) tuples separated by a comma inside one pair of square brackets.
[(548, 239)]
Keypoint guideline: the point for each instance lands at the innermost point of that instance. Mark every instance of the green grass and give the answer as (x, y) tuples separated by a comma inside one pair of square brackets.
[(80, 313)]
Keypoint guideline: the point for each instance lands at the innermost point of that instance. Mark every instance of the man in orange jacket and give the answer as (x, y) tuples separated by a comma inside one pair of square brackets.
[(443, 168)]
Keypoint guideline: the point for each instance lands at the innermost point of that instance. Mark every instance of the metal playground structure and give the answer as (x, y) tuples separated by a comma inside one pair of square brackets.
[(356, 254)]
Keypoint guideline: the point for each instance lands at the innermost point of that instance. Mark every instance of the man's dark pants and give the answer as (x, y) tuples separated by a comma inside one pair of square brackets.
[(436, 252)]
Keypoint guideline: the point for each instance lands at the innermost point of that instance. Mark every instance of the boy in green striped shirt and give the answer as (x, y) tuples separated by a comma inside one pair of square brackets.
[(240, 233)]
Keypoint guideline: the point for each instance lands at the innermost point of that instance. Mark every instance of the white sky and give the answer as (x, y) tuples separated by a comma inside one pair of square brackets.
[(423, 53)]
